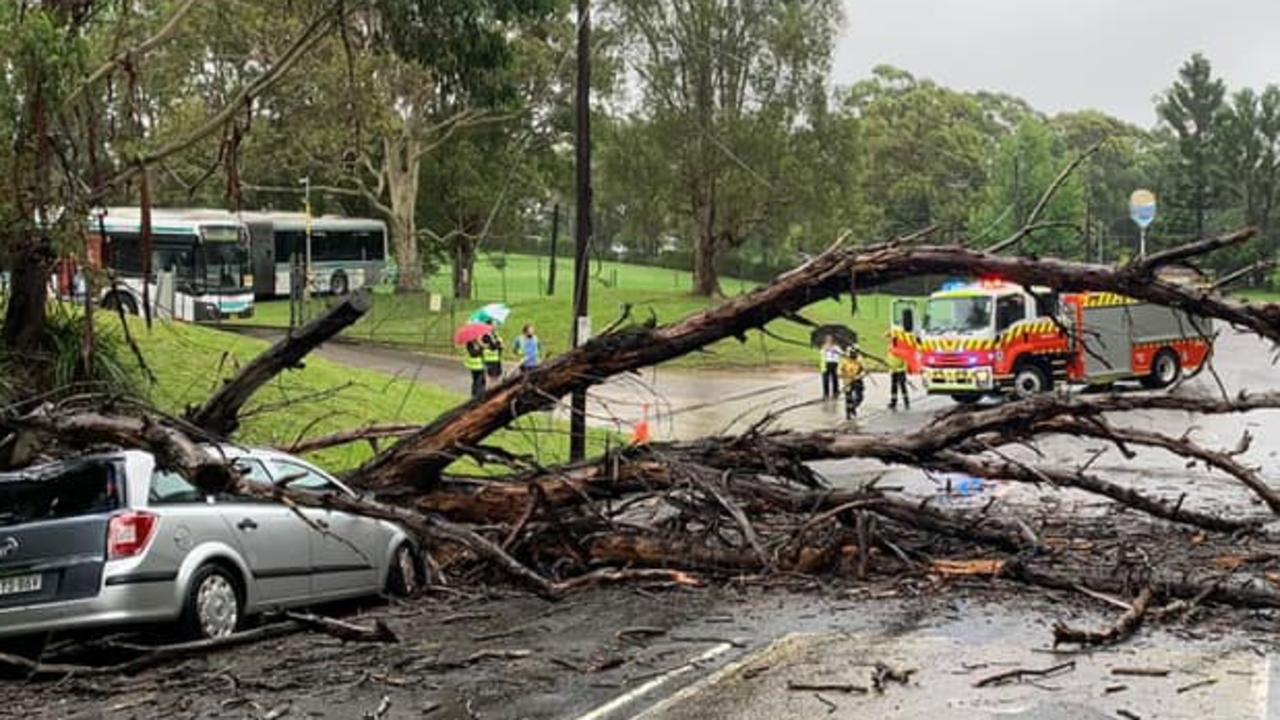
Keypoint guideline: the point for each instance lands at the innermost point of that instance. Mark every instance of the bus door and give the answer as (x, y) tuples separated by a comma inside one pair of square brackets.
[(904, 320)]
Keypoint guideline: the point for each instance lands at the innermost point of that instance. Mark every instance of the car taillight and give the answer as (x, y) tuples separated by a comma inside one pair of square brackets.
[(128, 533)]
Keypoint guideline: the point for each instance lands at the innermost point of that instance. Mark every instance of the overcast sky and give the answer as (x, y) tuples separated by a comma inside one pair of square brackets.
[(1112, 55)]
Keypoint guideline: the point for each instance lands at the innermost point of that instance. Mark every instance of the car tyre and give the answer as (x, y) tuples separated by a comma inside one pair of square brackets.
[(214, 607), (1030, 380), (1165, 370), (405, 577)]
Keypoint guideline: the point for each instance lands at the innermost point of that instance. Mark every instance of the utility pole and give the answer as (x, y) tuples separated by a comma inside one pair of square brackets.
[(582, 320), (306, 270), (555, 237)]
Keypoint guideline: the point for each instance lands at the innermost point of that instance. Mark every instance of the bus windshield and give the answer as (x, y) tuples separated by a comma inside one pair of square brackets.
[(957, 314), (221, 264)]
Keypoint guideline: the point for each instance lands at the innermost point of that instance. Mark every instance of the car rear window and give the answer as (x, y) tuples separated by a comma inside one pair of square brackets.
[(59, 491)]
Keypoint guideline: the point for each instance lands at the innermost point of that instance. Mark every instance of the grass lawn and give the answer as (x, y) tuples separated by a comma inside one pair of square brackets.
[(324, 397), (408, 320), (1257, 295)]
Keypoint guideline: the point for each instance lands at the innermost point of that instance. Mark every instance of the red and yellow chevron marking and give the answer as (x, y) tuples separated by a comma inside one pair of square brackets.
[(1105, 299), (956, 344), (1020, 330), (900, 336)]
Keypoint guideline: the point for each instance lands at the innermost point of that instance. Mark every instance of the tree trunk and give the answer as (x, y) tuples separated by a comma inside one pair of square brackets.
[(464, 267), (403, 167), (25, 329), (706, 279)]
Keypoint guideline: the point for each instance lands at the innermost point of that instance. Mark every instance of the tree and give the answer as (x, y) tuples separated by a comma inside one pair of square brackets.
[(724, 82), (1250, 143), (1023, 168), (1123, 163), (1193, 108), (926, 149)]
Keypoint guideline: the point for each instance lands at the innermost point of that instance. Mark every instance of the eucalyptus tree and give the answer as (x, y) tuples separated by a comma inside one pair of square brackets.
[(722, 85)]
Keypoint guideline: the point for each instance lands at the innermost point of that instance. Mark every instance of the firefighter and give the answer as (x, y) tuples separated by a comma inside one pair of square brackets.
[(473, 361), (897, 381), (852, 374), (492, 356)]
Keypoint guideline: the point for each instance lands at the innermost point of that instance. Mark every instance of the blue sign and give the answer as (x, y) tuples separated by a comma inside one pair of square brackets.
[(1142, 208)]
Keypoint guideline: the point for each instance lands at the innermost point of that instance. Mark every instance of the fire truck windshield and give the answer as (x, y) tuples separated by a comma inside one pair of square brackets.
[(957, 314)]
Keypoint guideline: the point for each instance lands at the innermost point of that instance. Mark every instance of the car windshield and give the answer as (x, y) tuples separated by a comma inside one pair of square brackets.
[(957, 314)]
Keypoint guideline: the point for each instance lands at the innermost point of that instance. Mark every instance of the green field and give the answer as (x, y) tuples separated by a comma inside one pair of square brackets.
[(663, 293), (190, 361)]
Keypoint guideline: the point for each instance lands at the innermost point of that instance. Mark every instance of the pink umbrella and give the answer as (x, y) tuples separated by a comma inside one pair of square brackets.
[(471, 331)]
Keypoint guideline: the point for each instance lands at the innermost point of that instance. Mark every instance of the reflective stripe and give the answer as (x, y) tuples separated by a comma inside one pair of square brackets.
[(492, 356), (472, 362)]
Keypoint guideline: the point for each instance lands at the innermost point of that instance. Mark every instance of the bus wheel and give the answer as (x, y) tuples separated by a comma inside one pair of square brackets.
[(120, 301), (1030, 380), (338, 284), (1165, 370)]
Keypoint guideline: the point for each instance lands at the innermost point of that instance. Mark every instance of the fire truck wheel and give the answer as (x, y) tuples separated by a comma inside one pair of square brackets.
[(1165, 370), (1030, 380)]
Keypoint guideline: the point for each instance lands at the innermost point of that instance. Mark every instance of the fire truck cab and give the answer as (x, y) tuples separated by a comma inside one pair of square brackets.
[(991, 337)]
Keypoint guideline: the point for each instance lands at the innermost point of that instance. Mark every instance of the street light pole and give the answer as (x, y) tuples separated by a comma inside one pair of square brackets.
[(581, 319)]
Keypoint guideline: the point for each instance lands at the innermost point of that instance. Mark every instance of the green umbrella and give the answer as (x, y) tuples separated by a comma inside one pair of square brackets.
[(493, 313)]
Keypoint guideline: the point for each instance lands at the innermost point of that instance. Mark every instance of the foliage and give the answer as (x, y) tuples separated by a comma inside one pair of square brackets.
[(1024, 167), (723, 83)]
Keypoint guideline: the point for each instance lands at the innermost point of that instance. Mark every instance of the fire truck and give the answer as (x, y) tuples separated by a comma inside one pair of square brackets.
[(991, 337)]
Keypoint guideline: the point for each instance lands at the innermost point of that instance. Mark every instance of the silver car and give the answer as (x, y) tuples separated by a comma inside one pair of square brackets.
[(112, 540)]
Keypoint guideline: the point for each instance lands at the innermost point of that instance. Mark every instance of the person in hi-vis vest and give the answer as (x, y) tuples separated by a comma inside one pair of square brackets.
[(473, 360)]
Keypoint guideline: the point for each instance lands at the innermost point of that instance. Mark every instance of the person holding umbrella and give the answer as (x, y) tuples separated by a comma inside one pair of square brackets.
[(469, 337), (491, 353)]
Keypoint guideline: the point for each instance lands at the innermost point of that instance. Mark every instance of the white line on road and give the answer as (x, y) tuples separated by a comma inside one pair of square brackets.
[(626, 698)]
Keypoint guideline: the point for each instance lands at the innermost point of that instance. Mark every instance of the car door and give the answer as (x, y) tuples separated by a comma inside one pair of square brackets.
[(347, 549), (275, 541)]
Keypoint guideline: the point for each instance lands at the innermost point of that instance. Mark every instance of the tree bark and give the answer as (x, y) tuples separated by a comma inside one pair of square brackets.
[(25, 328), (220, 414), (464, 267), (402, 168), (706, 253)]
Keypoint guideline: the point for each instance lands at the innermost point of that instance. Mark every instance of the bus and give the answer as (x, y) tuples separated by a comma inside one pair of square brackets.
[(199, 263), (346, 253)]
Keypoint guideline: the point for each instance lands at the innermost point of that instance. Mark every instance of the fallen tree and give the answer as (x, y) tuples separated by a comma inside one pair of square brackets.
[(751, 504), (419, 459)]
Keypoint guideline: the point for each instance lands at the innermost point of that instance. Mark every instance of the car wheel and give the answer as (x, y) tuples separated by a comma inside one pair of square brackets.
[(405, 577), (1030, 380), (215, 606), (1165, 370)]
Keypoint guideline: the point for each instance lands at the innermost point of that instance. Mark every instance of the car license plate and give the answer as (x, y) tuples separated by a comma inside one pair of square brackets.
[(19, 584)]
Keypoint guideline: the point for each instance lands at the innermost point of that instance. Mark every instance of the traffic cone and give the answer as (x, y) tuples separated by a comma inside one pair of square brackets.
[(640, 433)]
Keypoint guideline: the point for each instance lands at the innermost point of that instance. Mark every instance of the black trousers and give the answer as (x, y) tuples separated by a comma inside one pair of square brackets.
[(830, 380), (898, 382), (477, 383)]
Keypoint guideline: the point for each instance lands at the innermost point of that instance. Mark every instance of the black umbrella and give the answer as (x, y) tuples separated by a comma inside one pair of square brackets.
[(844, 336)]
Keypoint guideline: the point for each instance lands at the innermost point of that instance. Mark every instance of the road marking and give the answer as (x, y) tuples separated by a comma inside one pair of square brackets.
[(626, 698)]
